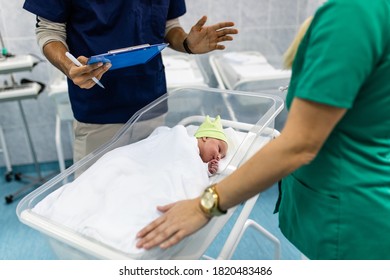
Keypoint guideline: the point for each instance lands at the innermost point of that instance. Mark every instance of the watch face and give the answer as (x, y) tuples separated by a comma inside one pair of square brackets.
[(207, 200)]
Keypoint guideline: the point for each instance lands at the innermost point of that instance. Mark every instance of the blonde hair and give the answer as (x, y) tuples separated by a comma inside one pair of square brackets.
[(289, 55)]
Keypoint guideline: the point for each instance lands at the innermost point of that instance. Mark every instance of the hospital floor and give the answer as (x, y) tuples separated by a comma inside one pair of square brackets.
[(20, 242)]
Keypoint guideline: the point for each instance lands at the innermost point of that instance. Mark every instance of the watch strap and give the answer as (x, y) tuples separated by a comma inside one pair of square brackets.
[(185, 45)]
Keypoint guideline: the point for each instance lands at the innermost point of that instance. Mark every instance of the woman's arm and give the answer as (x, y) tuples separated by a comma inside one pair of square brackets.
[(307, 128)]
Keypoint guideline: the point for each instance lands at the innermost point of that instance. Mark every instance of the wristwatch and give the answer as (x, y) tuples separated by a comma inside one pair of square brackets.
[(209, 202)]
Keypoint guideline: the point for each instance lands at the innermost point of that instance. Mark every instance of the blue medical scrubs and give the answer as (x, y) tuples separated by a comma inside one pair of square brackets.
[(97, 26)]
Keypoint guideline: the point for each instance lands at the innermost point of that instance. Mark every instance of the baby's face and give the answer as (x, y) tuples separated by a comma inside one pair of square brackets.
[(212, 149)]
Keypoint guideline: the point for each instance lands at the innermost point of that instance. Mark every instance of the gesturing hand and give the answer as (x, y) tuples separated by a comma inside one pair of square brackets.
[(203, 39)]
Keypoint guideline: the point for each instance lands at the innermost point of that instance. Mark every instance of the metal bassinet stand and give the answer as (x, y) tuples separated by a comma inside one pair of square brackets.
[(3, 149), (33, 181)]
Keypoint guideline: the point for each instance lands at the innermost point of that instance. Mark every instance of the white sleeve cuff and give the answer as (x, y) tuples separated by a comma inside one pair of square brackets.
[(172, 23), (48, 31)]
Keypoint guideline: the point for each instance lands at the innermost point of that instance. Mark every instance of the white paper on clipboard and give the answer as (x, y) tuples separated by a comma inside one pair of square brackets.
[(130, 56)]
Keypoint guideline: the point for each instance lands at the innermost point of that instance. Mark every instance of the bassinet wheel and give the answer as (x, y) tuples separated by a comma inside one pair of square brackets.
[(18, 176), (8, 176), (9, 199)]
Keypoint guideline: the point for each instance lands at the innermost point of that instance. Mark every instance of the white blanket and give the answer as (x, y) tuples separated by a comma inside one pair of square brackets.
[(118, 195)]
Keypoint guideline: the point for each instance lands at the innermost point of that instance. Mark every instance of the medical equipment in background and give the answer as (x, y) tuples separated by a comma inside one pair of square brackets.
[(18, 91), (255, 123), (250, 71)]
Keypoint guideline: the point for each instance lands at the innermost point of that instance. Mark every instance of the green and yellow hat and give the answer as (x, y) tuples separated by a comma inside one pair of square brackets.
[(211, 129)]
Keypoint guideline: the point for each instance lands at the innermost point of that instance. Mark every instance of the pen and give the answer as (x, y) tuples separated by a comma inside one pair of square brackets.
[(78, 64)]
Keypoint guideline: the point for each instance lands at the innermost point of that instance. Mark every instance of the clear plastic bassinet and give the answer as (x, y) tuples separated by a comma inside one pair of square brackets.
[(251, 115)]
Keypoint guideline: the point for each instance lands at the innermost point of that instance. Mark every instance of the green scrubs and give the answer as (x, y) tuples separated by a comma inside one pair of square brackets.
[(338, 206)]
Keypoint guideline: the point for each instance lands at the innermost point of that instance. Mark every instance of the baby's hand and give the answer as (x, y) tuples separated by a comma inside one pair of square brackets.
[(213, 166)]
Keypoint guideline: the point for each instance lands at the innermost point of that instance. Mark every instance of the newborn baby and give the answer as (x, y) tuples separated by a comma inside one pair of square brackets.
[(212, 143)]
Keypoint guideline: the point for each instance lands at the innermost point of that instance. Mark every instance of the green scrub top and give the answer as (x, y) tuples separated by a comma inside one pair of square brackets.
[(338, 206)]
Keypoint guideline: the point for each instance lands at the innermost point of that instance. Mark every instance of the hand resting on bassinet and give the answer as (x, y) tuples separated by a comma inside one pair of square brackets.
[(118, 195)]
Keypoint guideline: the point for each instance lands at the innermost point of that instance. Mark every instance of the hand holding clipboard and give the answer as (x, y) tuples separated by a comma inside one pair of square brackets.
[(78, 64), (130, 56)]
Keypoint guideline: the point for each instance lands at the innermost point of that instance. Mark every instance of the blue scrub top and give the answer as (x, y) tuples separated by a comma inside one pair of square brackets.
[(95, 27)]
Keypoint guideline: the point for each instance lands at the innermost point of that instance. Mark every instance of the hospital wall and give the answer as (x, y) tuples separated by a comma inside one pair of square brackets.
[(267, 26)]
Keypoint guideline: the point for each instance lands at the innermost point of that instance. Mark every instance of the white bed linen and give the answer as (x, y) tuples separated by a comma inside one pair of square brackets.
[(118, 195)]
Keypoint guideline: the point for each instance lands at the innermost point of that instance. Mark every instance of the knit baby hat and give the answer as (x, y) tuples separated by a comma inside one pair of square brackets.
[(211, 129)]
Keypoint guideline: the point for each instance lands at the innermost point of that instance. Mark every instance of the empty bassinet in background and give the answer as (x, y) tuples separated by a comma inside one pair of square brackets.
[(250, 71), (182, 70)]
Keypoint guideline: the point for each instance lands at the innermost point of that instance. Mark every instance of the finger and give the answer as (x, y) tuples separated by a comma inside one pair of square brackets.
[(87, 84), (219, 47), (165, 208), (82, 59), (174, 239), (153, 225), (95, 66), (201, 22), (99, 76), (165, 236), (221, 25), (160, 234), (157, 222), (227, 31), (98, 73), (85, 70), (224, 38)]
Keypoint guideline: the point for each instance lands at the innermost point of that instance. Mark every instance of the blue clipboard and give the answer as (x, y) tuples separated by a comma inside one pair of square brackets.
[(128, 56)]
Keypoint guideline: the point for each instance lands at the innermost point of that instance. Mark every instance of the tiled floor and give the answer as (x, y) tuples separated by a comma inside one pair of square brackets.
[(20, 242)]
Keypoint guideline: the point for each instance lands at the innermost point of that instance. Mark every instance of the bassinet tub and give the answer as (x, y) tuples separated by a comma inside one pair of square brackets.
[(185, 106)]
